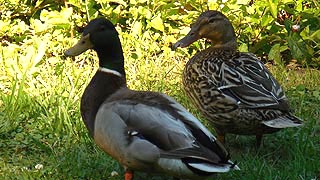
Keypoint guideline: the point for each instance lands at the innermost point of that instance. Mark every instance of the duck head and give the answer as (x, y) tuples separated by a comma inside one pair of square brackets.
[(101, 36), (212, 25)]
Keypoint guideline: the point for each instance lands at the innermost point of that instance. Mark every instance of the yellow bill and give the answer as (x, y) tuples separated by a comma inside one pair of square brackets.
[(83, 44)]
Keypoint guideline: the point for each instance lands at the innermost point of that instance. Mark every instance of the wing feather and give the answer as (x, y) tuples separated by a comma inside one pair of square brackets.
[(250, 83), (166, 124)]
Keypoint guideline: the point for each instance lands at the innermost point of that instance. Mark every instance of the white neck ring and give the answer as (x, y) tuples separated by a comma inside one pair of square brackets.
[(106, 70)]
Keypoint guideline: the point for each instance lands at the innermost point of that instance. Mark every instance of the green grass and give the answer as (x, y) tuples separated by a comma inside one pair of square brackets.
[(40, 121), (43, 126)]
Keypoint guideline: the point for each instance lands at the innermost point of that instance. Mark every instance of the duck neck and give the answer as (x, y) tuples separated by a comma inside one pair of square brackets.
[(112, 58), (115, 63), (103, 84), (230, 45), (225, 38)]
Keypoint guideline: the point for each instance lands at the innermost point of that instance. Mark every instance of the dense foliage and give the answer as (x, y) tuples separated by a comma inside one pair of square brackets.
[(277, 30), (40, 88)]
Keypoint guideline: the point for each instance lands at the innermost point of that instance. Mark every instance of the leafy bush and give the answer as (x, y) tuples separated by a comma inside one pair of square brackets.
[(276, 30)]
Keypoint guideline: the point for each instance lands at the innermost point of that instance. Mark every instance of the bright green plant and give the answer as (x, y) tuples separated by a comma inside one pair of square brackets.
[(276, 30)]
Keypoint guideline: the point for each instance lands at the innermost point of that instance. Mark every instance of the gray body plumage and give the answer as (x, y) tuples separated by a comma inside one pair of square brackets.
[(145, 131), (153, 134)]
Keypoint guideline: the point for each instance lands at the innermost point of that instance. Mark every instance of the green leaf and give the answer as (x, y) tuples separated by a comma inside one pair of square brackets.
[(298, 6), (273, 6), (157, 23), (315, 35), (56, 17), (288, 25), (274, 54), (298, 48), (301, 87), (266, 19), (144, 12), (283, 48), (243, 47), (243, 2), (137, 28)]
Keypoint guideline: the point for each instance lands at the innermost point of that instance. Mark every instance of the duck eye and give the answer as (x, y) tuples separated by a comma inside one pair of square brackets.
[(211, 20), (102, 28)]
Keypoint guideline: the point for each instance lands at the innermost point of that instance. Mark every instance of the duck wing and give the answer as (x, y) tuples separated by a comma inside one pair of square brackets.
[(249, 84), (156, 120)]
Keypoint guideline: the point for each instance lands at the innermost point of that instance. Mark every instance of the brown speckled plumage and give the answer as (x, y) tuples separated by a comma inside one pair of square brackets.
[(232, 89)]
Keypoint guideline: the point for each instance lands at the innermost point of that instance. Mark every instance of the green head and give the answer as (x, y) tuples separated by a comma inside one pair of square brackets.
[(101, 36)]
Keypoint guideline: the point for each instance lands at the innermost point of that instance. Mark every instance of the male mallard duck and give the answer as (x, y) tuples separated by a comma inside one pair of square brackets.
[(144, 131), (232, 89)]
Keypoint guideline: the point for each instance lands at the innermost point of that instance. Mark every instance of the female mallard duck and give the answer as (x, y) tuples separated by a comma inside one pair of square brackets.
[(232, 89), (144, 131)]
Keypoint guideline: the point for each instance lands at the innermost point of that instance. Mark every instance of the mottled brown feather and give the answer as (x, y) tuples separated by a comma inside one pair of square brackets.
[(232, 89)]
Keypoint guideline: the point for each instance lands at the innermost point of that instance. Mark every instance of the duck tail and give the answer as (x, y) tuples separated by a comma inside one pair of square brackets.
[(205, 168), (234, 165), (284, 122)]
